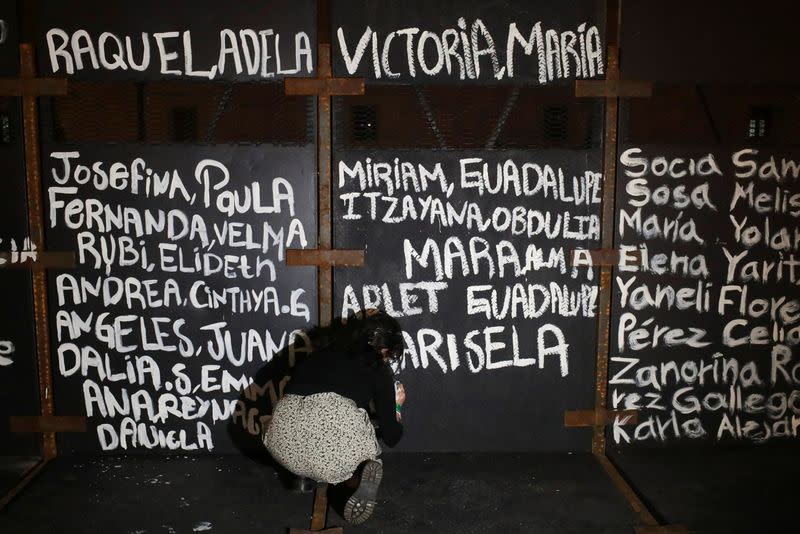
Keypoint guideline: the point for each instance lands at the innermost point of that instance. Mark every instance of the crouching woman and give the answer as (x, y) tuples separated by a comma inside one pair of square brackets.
[(321, 428)]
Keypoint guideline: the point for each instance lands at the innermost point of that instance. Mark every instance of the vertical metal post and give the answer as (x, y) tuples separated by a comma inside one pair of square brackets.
[(607, 218), (320, 511), (30, 118), (324, 273)]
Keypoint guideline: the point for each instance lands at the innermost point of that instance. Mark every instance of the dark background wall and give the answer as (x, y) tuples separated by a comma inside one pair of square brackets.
[(18, 379), (720, 74)]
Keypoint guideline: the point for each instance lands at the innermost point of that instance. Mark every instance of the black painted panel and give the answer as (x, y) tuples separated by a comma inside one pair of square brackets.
[(18, 371), (424, 41), (191, 383), (252, 40), (705, 331), (458, 291)]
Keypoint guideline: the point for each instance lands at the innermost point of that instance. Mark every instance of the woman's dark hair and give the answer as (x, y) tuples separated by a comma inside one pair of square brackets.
[(384, 332), (364, 334)]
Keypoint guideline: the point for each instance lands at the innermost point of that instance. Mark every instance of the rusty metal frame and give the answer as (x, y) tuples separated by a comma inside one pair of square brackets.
[(26, 478), (645, 517), (611, 89), (607, 242), (30, 119), (324, 163), (324, 86)]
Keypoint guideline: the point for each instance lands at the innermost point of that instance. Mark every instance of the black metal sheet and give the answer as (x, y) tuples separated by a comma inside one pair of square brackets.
[(192, 370), (458, 397), (265, 40), (706, 343), (426, 29)]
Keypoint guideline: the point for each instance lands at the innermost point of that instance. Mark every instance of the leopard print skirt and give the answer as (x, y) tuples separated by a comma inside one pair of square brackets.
[(324, 437)]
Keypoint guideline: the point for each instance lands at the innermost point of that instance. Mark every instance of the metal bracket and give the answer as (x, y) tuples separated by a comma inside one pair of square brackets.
[(32, 86), (576, 418), (325, 257), (44, 260), (47, 423), (323, 86), (612, 89), (606, 257)]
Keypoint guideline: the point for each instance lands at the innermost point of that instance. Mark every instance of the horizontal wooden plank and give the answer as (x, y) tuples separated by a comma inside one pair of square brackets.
[(605, 257), (612, 89), (32, 86), (325, 257), (323, 86), (47, 423), (583, 418), (44, 260)]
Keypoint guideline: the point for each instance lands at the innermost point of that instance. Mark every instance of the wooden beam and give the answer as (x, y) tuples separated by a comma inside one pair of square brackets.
[(47, 423), (593, 418), (32, 86), (320, 513), (325, 257), (33, 181), (607, 241), (323, 86), (44, 260), (606, 257), (612, 89)]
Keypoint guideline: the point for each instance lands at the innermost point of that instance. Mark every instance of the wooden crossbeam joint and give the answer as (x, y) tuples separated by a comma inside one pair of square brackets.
[(600, 417), (47, 423), (32, 86), (325, 257), (605, 257), (324, 85), (612, 86), (613, 89)]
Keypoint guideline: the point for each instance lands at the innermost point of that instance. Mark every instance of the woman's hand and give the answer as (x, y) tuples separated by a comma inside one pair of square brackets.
[(399, 398), (400, 394)]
